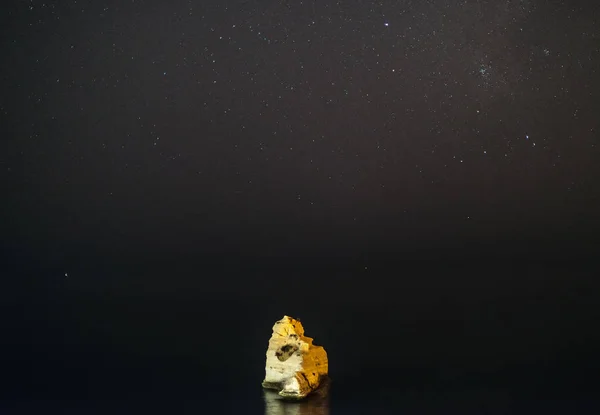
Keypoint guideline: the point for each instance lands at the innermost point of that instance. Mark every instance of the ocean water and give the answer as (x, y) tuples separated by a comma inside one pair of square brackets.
[(481, 396), (426, 343)]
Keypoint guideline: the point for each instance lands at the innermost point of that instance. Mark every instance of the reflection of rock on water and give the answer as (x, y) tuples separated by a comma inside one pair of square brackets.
[(317, 403)]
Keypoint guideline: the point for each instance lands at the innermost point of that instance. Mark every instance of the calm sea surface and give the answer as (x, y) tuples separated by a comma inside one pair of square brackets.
[(410, 343)]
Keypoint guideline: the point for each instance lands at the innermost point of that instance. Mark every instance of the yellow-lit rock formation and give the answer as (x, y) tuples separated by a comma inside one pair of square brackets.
[(295, 366)]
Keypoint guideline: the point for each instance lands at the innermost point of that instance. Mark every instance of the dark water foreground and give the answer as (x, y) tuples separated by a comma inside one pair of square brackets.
[(492, 395), (522, 340)]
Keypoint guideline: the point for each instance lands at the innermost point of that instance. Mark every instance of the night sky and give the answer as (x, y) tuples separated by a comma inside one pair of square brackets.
[(276, 128), (172, 150)]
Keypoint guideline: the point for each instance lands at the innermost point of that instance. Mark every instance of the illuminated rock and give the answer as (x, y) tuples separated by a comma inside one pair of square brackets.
[(295, 366)]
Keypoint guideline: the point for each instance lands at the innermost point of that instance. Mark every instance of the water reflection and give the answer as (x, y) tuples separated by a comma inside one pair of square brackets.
[(316, 403)]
